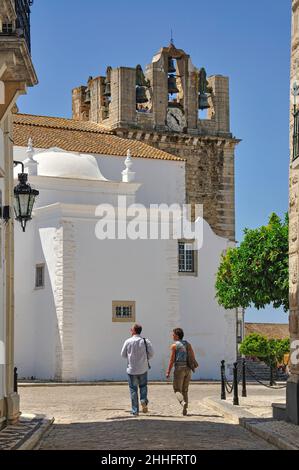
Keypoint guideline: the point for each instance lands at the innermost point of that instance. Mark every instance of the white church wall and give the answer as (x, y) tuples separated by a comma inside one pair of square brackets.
[(162, 180), (101, 272), (104, 271), (66, 329), (210, 328), (35, 325), (142, 271)]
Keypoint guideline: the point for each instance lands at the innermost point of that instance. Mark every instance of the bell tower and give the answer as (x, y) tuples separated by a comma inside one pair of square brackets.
[(163, 106)]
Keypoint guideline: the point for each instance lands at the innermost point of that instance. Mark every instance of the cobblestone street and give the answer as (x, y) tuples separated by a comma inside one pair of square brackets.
[(98, 417)]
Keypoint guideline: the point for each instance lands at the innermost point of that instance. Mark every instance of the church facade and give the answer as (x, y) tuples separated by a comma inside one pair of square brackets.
[(82, 294)]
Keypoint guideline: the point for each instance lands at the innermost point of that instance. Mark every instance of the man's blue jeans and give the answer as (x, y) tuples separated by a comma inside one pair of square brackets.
[(134, 381)]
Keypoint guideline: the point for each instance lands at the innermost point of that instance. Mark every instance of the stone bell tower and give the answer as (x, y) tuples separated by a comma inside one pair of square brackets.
[(164, 106)]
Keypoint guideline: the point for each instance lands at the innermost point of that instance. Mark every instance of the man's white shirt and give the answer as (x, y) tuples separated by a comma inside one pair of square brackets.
[(135, 352)]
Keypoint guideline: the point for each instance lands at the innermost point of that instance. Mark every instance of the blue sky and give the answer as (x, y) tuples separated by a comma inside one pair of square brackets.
[(248, 41)]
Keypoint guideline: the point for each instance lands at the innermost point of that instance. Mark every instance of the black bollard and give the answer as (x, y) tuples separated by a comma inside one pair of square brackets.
[(222, 369), (271, 375), (235, 384), (244, 391), (15, 380)]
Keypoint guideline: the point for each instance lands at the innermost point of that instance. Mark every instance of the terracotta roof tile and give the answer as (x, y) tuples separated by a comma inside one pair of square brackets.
[(270, 330), (79, 136), (60, 123)]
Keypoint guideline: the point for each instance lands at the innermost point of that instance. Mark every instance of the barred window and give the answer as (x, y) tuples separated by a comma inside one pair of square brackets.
[(187, 258), (7, 28), (123, 311), (39, 276)]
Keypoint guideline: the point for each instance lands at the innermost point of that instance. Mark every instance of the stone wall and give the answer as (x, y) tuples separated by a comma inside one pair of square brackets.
[(294, 192), (80, 109)]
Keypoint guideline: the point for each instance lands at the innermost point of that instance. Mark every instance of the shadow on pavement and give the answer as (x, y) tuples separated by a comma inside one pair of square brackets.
[(146, 434)]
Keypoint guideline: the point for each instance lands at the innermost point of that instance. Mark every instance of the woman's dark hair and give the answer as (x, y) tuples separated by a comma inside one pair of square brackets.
[(179, 332)]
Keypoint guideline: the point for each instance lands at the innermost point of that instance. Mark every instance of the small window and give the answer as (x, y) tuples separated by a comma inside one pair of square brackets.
[(7, 28), (123, 311), (39, 276), (187, 258)]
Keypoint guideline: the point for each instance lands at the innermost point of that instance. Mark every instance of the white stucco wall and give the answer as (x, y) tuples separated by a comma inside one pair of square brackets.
[(100, 271), (210, 329), (97, 272), (35, 313), (161, 180), (66, 328)]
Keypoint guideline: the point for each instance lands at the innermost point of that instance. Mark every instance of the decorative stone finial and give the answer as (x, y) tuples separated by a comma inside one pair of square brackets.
[(30, 163), (127, 175), (30, 150)]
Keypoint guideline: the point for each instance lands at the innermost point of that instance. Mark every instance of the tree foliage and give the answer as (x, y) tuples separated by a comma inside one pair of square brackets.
[(254, 345), (270, 351), (256, 272)]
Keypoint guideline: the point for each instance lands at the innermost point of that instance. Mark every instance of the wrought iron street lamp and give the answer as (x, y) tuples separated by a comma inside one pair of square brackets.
[(24, 198)]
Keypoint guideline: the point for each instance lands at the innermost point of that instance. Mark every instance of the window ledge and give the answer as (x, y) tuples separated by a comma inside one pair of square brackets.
[(182, 273)]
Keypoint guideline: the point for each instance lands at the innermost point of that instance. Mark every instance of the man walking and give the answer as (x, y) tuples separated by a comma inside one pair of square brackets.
[(180, 350), (137, 351)]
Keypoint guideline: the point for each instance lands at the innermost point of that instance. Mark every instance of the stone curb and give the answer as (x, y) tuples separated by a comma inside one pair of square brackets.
[(250, 422), (34, 439), (254, 426), (231, 412), (89, 384)]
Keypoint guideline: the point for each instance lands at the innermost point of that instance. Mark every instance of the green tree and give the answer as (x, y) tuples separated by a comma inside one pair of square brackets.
[(255, 345), (256, 272), (271, 351)]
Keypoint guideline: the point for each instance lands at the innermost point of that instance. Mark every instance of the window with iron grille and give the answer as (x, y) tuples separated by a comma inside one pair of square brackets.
[(186, 257), (123, 311), (296, 136), (39, 276), (7, 28)]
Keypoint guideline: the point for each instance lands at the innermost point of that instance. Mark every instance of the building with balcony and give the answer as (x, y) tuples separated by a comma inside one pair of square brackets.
[(16, 74)]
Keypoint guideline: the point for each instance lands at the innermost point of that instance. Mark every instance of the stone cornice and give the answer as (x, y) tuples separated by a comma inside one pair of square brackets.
[(156, 137), (83, 185), (14, 50)]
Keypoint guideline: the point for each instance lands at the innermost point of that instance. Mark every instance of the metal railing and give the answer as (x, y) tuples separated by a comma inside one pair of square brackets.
[(238, 375), (23, 19), (22, 26)]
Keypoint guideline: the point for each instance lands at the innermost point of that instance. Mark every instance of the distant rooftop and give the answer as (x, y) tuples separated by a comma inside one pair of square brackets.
[(270, 330)]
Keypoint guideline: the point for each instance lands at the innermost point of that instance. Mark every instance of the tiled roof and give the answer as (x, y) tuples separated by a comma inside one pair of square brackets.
[(59, 123), (270, 330), (79, 136)]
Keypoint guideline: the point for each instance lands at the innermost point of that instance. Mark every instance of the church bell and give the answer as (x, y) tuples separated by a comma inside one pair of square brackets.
[(203, 102), (87, 96), (172, 88), (107, 91), (141, 94), (171, 67)]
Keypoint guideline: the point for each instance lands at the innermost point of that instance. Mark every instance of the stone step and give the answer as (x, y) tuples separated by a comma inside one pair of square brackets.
[(261, 371)]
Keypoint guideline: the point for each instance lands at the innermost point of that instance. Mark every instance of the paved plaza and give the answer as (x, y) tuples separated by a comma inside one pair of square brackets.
[(98, 417)]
